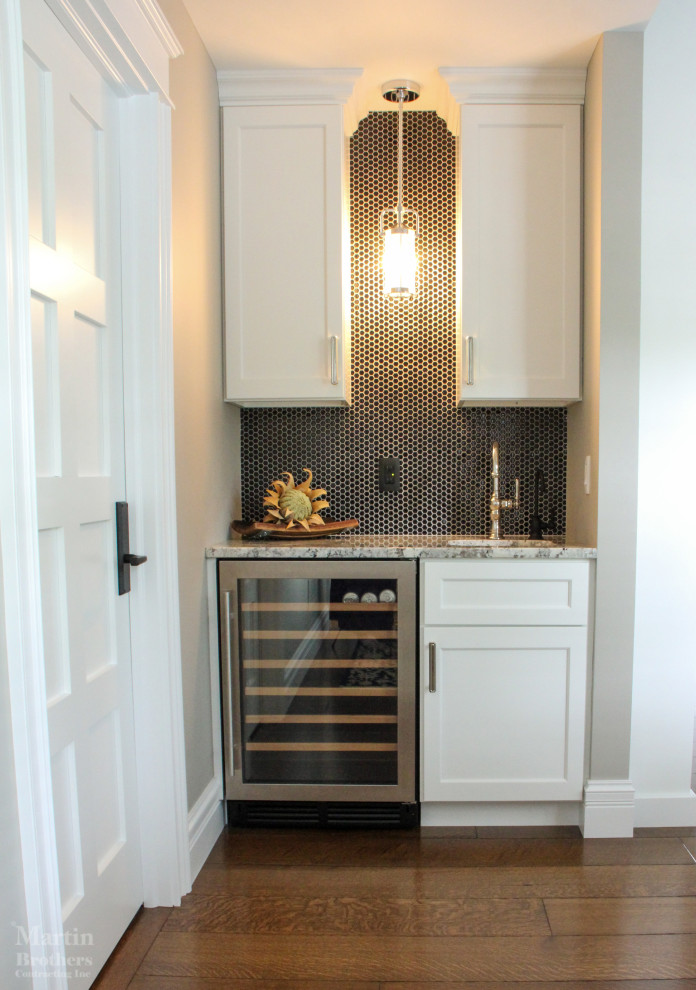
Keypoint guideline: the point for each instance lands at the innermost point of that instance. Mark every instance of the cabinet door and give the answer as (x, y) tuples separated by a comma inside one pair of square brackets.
[(286, 259), (520, 254), (505, 592), (506, 719)]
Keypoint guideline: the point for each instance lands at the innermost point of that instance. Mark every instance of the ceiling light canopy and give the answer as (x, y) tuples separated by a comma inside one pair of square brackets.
[(399, 259)]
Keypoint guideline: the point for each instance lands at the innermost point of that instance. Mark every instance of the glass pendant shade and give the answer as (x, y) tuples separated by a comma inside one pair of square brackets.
[(399, 262)]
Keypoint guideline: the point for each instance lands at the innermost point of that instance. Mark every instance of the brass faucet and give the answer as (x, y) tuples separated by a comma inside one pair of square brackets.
[(498, 503)]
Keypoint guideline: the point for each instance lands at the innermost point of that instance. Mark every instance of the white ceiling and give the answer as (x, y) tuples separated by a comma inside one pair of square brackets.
[(409, 39)]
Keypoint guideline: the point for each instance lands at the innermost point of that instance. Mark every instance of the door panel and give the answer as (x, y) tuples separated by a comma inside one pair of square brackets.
[(507, 717), (520, 192), (72, 126), (55, 613)]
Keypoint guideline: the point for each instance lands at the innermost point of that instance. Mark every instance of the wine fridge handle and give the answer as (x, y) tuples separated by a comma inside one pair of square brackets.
[(229, 617), (432, 671)]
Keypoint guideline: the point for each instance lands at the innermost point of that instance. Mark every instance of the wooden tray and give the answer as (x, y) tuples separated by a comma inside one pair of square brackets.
[(296, 533)]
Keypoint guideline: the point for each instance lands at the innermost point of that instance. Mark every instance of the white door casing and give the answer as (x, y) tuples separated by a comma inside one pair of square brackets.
[(131, 48), (74, 228)]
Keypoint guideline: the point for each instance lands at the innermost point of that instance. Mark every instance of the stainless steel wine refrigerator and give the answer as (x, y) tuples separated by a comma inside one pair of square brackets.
[(319, 692)]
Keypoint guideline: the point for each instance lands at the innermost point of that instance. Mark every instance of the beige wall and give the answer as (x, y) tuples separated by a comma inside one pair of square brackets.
[(583, 417), (207, 429), (614, 108)]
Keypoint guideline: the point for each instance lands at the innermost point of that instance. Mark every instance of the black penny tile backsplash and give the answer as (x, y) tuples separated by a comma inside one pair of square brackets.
[(404, 376)]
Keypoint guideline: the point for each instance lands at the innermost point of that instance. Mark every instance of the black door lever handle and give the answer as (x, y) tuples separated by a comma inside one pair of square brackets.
[(124, 558)]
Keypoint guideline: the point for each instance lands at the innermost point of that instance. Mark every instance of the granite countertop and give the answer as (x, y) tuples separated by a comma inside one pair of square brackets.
[(352, 546)]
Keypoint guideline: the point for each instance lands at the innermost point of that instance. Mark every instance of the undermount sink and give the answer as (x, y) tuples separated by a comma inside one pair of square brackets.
[(486, 541)]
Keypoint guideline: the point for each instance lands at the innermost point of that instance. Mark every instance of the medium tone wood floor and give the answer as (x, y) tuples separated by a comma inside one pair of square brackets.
[(429, 909)]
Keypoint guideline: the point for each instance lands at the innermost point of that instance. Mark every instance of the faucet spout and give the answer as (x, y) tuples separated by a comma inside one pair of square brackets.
[(498, 503)]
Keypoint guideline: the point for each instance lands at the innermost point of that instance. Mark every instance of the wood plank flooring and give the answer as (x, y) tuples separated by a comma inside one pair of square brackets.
[(429, 909)]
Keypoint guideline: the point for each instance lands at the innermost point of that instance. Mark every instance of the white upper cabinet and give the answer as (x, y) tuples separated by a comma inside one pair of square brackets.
[(287, 276), (520, 254), (520, 196)]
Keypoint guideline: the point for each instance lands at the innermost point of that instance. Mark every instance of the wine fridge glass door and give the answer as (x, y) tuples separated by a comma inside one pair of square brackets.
[(321, 680)]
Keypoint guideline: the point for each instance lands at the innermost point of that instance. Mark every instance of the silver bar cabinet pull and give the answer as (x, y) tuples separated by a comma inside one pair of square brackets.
[(334, 360), (432, 679), (469, 360)]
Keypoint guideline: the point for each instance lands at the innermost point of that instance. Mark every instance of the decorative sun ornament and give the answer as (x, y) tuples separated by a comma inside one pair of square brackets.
[(287, 503)]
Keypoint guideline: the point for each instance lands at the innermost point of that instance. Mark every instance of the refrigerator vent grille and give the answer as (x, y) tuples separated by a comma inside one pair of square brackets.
[(320, 814)]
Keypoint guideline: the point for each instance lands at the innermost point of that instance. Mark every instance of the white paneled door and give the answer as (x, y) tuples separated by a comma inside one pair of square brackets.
[(73, 155)]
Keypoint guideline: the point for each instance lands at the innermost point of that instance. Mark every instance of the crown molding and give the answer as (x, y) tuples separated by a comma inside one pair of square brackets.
[(160, 25), (515, 85), (129, 41), (274, 87)]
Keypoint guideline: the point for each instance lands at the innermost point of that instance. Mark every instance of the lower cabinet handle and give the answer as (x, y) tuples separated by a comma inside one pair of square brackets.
[(432, 680), (334, 360)]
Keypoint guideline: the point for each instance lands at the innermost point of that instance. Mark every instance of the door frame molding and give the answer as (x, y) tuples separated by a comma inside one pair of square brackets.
[(131, 48), (150, 486)]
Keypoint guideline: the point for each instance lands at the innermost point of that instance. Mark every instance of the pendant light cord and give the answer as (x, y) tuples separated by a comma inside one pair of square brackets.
[(400, 166), (400, 91)]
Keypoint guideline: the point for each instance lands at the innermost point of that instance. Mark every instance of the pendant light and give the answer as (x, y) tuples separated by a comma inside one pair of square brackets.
[(399, 258)]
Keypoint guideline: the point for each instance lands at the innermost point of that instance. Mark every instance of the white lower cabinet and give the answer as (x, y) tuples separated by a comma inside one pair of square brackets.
[(503, 704)]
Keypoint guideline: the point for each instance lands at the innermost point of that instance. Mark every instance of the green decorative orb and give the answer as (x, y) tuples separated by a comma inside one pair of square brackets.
[(297, 502)]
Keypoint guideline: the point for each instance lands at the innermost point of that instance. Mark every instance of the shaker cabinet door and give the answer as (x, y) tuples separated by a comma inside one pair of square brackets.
[(520, 196), (506, 718), (286, 263)]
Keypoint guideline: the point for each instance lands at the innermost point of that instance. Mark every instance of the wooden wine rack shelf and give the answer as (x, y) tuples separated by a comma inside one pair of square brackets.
[(319, 634), (319, 607), (301, 747), (337, 692), (315, 664), (321, 719)]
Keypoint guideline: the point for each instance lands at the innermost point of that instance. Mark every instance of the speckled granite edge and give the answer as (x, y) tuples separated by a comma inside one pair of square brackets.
[(388, 548)]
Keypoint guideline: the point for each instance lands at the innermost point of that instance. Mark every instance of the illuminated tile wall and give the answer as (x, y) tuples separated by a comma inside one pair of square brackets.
[(403, 375)]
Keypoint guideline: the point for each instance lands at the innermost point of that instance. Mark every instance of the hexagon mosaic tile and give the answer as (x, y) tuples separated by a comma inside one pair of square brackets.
[(404, 375)]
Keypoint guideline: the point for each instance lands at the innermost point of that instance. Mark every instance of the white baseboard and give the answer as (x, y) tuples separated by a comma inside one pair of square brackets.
[(504, 813), (206, 821), (608, 809), (665, 810)]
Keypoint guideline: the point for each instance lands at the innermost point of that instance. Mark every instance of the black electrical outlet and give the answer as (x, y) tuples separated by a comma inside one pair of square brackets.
[(390, 474)]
